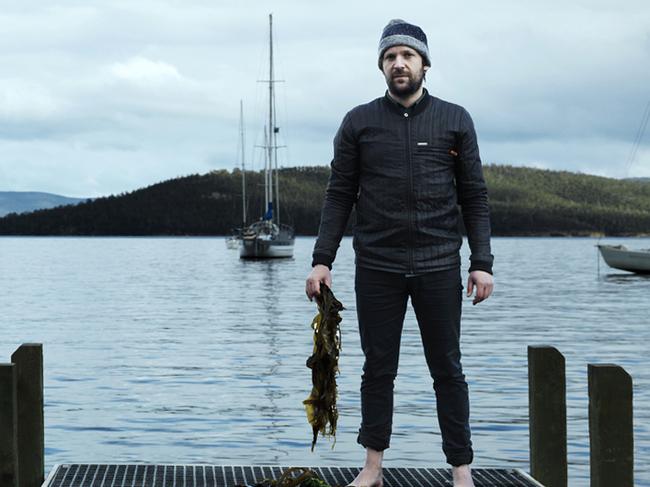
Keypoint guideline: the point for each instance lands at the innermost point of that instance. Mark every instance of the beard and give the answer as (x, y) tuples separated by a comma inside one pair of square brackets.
[(412, 86)]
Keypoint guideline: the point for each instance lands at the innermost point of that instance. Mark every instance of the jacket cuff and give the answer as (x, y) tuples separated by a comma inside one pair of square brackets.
[(322, 259), (481, 265)]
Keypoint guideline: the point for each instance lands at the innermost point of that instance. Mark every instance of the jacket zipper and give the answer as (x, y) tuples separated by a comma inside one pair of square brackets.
[(409, 248)]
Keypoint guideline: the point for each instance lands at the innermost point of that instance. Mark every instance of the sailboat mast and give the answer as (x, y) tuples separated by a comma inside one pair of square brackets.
[(243, 161), (274, 129), (275, 163), (271, 138), (266, 172)]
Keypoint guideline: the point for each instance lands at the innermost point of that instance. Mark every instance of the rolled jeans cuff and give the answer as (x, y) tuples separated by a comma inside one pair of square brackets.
[(372, 441), (460, 456)]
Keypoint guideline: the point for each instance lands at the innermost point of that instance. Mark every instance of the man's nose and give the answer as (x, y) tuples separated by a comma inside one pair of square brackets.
[(399, 62)]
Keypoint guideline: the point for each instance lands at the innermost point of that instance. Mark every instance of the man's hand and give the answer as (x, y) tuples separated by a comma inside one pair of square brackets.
[(484, 285), (320, 273)]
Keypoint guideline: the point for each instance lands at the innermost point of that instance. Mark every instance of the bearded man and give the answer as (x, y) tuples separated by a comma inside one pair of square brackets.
[(405, 161)]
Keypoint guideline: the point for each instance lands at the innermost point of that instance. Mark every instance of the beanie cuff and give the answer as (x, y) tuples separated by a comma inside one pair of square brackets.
[(403, 40)]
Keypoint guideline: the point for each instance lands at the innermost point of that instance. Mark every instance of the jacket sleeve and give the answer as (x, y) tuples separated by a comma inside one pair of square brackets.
[(473, 197), (340, 196)]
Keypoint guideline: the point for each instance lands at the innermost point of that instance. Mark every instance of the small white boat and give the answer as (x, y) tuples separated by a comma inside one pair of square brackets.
[(619, 257), (233, 242)]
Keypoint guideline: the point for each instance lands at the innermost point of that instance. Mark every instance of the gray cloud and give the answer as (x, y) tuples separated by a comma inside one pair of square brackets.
[(104, 97)]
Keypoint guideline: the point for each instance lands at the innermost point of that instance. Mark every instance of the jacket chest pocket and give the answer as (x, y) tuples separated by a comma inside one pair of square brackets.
[(435, 157)]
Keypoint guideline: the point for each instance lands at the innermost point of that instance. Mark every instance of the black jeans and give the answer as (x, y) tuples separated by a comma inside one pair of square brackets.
[(381, 304)]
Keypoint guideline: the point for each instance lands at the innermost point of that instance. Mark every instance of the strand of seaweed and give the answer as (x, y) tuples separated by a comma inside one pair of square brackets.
[(320, 406), (305, 478)]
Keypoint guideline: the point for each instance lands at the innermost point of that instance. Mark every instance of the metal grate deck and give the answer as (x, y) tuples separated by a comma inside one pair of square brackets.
[(148, 475)]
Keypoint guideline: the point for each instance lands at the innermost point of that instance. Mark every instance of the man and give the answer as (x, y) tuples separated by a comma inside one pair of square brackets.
[(405, 161)]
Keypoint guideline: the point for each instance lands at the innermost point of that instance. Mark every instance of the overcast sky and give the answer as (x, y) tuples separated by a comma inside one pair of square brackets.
[(101, 97)]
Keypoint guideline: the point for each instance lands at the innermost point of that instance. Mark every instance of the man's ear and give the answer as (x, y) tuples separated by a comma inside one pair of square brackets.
[(426, 68)]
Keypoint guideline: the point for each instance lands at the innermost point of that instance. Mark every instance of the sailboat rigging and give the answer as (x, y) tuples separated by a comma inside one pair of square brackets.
[(268, 238)]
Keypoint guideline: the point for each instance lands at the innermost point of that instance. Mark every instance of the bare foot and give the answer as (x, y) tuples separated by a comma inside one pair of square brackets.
[(462, 476), (370, 476)]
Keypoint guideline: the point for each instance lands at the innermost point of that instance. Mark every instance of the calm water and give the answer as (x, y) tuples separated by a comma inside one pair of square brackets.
[(175, 351)]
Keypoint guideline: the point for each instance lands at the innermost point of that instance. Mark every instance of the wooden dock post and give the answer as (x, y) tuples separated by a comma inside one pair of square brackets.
[(547, 415), (28, 359), (8, 427), (611, 443)]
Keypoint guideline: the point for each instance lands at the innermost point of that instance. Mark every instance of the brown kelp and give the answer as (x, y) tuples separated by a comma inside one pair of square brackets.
[(304, 478), (321, 403)]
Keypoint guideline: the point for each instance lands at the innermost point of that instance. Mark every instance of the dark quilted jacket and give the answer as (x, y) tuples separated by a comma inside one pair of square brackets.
[(406, 170)]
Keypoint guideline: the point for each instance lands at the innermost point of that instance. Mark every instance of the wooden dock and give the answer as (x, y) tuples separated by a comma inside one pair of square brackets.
[(148, 475), (611, 435)]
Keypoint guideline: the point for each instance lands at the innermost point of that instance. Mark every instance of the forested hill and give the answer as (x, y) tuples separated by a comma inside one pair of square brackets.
[(524, 201)]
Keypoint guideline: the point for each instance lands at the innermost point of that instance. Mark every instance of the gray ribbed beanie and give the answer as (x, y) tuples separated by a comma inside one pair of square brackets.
[(400, 33)]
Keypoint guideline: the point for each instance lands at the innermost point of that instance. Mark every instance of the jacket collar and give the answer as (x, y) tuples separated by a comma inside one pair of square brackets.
[(418, 107)]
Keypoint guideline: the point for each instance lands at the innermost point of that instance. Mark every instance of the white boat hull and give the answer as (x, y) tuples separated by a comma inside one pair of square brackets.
[(619, 257), (258, 248), (266, 240)]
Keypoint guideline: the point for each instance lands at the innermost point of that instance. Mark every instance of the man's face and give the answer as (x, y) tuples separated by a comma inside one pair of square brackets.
[(403, 70)]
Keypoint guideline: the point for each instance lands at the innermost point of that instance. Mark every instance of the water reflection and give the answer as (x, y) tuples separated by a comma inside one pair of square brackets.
[(625, 278), (270, 373), (177, 351)]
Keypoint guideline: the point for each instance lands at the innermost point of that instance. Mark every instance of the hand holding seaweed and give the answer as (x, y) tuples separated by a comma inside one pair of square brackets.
[(321, 403)]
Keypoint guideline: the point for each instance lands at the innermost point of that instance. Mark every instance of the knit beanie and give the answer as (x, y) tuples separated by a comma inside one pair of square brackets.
[(400, 33)]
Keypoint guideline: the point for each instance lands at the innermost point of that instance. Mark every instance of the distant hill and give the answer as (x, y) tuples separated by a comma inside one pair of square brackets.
[(523, 201), (639, 180), (24, 201)]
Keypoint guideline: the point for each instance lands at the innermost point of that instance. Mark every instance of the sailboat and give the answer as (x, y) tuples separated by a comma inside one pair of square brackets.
[(234, 241), (268, 238)]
